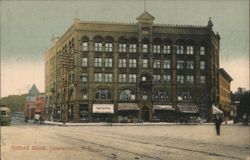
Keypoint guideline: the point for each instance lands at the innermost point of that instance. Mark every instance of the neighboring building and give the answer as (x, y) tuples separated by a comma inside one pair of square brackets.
[(241, 102), (225, 92), (141, 71), (34, 103), (29, 107), (40, 105)]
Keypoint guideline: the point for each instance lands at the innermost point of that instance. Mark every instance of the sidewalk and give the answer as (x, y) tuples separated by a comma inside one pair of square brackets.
[(126, 124), (109, 124)]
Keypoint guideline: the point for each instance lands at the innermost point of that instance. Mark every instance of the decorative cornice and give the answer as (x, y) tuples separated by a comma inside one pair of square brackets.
[(179, 25)]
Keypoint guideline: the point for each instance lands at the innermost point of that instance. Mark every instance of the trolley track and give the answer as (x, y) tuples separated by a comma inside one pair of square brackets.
[(126, 142)]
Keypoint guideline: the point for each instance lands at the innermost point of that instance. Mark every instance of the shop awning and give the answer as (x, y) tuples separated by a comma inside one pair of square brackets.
[(163, 107), (216, 110), (103, 108), (187, 108), (127, 106)]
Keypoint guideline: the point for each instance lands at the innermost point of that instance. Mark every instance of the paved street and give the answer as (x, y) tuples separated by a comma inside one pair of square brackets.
[(43, 142)]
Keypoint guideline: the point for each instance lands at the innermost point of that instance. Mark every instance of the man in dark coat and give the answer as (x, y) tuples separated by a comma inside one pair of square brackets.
[(217, 121)]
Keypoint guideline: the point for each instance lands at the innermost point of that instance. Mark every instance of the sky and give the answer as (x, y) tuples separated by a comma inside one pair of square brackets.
[(28, 25)]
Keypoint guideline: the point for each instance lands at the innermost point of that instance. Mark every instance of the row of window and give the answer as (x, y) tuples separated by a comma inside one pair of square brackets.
[(128, 95), (132, 63), (132, 78), (132, 48)]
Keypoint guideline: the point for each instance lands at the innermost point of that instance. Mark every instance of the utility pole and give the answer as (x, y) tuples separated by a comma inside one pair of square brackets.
[(66, 62)]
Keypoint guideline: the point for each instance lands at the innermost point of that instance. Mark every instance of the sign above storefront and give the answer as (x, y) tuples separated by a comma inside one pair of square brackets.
[(103, 108), (127, 106)]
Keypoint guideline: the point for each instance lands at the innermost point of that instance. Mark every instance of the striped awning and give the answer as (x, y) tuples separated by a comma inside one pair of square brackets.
[(216, 110), (187, 108), (127, 106)]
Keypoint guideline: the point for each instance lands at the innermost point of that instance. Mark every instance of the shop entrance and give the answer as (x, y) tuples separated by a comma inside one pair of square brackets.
[(145, 113)]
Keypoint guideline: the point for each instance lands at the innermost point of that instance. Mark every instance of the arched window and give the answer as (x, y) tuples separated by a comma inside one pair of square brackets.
[(126, 95), (167, 46), (85, 45), (157, 45), (103, 94), (145, 45), (122, 44), (109, 44), (98, 43)]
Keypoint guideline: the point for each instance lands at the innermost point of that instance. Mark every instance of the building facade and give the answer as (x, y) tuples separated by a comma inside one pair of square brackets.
[(225, 92), (140, 71), (30, 103)]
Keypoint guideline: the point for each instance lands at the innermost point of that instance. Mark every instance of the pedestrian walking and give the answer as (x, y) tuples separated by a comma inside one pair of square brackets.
[(218, 121)]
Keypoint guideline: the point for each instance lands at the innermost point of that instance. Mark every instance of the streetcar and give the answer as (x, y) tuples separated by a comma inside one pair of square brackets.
[(5, 115)]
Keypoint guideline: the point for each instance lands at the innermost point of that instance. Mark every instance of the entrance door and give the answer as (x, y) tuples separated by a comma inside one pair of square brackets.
[(145, 113)]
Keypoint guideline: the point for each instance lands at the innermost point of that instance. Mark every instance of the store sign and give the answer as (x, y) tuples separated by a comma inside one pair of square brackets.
[(103, 108), (128, 106)]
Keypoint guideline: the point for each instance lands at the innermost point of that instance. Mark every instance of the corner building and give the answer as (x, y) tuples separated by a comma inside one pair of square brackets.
[(142, 71)]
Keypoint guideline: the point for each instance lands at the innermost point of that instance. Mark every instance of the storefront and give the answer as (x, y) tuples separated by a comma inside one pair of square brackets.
[(127, 112), (163, 113), (84, 112), (102, 112), (187, 112)]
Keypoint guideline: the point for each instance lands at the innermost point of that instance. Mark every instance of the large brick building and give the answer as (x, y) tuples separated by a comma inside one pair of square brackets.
[(225, 92), (141, 70)]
